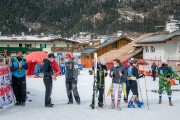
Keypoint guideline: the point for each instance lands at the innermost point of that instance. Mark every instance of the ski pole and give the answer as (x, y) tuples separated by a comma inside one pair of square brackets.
[(140, 90), (104, 93), (146, 93)]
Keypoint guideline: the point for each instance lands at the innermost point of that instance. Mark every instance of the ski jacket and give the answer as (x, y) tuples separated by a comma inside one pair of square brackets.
[(47, 69), (154, 67), (71, 71), (164, 72), (100, 73), (16, 71), (116, 77), (135, 73)]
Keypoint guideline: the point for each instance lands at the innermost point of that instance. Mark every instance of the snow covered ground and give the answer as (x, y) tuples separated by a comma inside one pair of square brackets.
[(35, 110)]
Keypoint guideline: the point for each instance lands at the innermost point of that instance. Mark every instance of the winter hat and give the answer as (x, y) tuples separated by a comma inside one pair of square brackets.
[(68, 55), (164, 61)]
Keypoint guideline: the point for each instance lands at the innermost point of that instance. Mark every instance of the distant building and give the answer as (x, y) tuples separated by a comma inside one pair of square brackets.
[(29, 44), (162, 47)]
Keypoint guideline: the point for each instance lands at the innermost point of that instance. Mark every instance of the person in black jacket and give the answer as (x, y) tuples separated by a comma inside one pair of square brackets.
[(18, 68), (134, 86), (154, 68), (48, 76), (101, 74)]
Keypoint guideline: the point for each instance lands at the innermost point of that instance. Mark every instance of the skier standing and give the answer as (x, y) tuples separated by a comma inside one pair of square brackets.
[(134, 86), (165, 74), (101, 74), (118, 73), (71, 76), (18, 68), (154, 68), (48, 76)]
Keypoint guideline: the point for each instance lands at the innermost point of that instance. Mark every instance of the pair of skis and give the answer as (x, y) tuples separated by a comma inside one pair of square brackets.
[(95, 89)]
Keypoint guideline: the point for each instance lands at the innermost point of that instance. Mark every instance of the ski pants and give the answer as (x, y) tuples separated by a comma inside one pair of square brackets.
[(116, 87), (71, 87), (48, 90), (133, 87), (19, 88), (101, 94), (154, 74), (127, 90), (164, 84)]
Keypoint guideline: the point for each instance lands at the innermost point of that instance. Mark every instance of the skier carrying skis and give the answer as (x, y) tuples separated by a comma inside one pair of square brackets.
[(71, 76), (132, 77), (165, 74), (118, 73), (101, 74)]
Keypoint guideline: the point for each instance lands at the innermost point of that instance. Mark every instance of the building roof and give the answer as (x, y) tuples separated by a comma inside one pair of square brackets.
[(107, 41), (125, 52), (161, 38), (33, 39)]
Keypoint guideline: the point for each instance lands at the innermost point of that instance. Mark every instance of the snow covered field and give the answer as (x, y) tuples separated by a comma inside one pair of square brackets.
[(35, 110)]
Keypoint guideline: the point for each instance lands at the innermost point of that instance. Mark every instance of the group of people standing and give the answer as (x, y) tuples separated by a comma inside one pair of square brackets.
[(122, 78), (127, 78), (19, 67)]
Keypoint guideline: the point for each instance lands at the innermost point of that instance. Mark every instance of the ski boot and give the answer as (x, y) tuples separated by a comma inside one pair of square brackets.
[(78, 101), (160, 101), (100, 105), (139, 104), (131, 105), (170, 103), (92, 106), (22, 103), (70, 102), (112, 104), (17, 103)]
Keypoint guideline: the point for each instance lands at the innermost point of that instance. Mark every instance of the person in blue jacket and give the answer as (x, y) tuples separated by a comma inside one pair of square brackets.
[(18, 68)]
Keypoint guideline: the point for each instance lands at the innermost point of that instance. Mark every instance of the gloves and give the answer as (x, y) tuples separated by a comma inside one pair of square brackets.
[(143, 75)]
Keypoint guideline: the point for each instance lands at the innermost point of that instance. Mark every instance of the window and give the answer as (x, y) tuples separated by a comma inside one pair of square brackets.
[(20, 44), (67, 45), (152, 49), (146, 49), (8, 45), (28, 45), (43, 45), (54, 45), (115, 45), (179, 48)]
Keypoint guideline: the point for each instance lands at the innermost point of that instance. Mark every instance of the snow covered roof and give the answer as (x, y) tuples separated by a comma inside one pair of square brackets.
[(33, 39), (158, 38)]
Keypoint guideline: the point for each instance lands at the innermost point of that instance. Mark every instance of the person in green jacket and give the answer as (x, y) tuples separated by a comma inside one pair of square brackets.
[(165, 74)]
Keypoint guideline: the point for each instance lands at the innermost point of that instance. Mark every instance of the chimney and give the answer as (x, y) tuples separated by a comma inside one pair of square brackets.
[(22, 33), (102, 40), (161, 29), (171, 26), (42, 34), (119, 34)]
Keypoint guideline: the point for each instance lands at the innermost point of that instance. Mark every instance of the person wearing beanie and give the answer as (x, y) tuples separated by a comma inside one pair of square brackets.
[(71, 76)]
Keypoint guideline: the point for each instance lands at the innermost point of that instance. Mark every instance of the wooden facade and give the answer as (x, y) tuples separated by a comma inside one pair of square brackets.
[(112, 46)]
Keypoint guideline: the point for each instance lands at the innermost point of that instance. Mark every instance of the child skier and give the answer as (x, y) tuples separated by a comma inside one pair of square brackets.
[(101, 74), (133, 85), (118, 73), (165, 74)]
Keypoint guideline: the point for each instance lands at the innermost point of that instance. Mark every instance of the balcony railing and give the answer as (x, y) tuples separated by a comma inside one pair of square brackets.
[(62, 49), (23, 49)]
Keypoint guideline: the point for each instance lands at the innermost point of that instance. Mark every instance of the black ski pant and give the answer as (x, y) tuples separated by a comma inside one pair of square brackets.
[(71, 88), (154, 74), (133, 87), (48, 90), (19, 88), (100, 90)]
